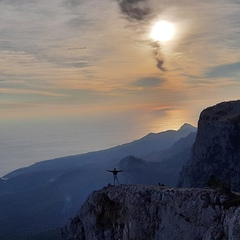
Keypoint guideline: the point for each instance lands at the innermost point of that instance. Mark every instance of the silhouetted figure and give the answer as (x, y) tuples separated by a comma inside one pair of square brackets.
[(115, 172)]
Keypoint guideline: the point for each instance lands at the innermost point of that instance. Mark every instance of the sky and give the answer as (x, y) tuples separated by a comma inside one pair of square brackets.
[(85, 75)]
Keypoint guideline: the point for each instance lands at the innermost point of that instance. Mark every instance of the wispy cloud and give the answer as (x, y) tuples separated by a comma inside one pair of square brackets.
[(163, 111), (93, 62), (60, 49), (231, 70), (73, 3), (139, 11), (15, 91), (148, 82)]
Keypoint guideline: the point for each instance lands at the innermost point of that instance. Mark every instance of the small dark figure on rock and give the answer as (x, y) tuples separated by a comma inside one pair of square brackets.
[(115, 172)]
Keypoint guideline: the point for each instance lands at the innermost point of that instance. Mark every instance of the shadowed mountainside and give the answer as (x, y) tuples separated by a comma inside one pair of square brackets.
[(165, 168), (43, 196), (216, 150)]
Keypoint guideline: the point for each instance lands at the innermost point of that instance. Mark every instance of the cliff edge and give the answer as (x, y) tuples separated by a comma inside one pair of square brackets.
[(216, 150), (128, 212)]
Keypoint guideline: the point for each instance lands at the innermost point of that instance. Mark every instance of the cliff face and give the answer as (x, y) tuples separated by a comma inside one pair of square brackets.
[(143, 212), (217, 147)]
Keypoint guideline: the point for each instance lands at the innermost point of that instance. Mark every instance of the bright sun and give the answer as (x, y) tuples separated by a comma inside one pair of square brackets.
[(162, 31)]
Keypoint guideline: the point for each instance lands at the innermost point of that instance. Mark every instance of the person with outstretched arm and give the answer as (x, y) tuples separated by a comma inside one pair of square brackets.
[(115, 172)]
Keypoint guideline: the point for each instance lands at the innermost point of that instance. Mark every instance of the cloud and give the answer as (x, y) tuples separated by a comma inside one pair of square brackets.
[(78, 21), (75, 64), (224, 71), (163, 111), (148, 82), (73, 3), (139, 11), (134, 9), (158, 56), (29, 92)]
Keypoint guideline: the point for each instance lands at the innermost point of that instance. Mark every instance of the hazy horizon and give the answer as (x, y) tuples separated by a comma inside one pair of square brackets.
[(78, 76), (18, 152)]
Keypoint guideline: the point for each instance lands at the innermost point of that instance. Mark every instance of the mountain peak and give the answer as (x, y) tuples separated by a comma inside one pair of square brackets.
[(187, 126)]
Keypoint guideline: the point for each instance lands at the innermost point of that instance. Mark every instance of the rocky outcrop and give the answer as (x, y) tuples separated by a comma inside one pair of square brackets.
[(216, 150), (128, 212)]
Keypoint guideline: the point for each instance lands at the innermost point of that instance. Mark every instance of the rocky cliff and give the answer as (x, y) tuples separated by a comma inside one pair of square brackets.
[(128, 212), (216, 150)]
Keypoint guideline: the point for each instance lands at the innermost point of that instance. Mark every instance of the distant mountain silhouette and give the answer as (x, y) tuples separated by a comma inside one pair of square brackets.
[(161, 166), (36, 200), (149, 143)]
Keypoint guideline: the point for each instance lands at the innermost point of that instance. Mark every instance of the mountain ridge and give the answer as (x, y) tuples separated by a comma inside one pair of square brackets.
[(79, 159), (158, 167), (55, 189)]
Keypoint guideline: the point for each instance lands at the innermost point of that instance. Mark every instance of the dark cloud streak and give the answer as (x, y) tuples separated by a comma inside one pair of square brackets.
[(134, 9), (158, 56), (139, 11)]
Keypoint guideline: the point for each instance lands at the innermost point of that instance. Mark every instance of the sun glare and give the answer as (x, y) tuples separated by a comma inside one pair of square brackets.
[(162, 31)]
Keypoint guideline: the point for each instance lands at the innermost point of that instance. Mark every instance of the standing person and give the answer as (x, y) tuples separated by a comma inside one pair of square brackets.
[(115, 172)]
